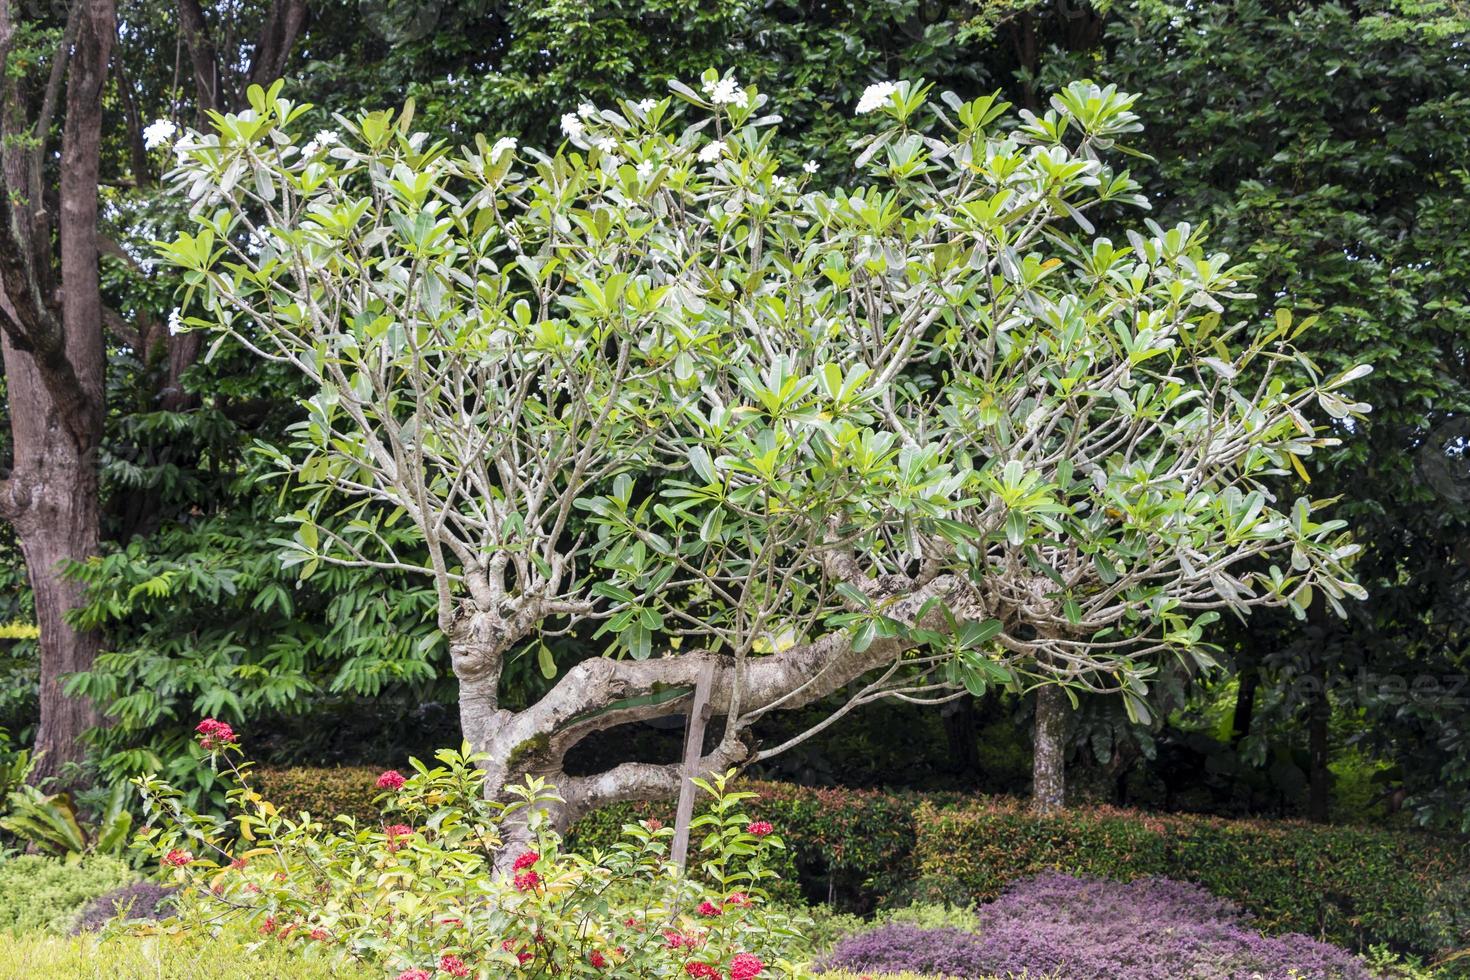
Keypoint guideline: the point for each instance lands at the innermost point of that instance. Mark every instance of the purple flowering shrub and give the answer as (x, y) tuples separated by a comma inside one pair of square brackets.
[(1090, 929)]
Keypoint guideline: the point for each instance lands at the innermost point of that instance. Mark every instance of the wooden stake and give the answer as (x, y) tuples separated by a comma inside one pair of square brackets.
[(699, 713)]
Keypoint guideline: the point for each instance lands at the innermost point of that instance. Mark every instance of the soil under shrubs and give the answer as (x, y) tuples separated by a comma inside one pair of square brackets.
[(1090, 929)]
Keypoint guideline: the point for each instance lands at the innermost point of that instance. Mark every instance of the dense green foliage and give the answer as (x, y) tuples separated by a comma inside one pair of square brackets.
[(46, 894)]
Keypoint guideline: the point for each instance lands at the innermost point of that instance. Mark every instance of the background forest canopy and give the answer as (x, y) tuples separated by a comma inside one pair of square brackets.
[(1324, 145)]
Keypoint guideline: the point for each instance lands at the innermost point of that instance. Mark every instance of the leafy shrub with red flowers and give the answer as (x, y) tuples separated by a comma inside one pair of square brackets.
[(418, 894)]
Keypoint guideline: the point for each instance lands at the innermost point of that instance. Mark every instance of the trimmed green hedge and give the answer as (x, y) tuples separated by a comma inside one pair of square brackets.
[(1352, 885), (322, 792), (846, 847)]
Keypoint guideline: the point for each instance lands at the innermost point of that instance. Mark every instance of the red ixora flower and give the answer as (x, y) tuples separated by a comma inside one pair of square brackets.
[(392, 779), (213, 733), (453, 965), (702, 970), (395, 831), (526, 881), (709, 908), (597, 959), (526, 860), (414, 975), (654, 823), (738, 899), (268, 926), (677, 940), (745, 966), (238, 863), (177, 858), (759, 828), (320, 935)]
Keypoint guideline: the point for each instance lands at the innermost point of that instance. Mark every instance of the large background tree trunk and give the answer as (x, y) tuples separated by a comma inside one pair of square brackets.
[(1049, 759), (51, 314)]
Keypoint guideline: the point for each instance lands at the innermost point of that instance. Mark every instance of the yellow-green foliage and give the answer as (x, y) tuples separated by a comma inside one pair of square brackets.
[(323, 792), (46, 893), (165, 957)]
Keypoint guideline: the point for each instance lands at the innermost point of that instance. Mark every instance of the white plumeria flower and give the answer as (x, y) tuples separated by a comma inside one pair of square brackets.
[(726, 91), (586, 110), (605, 143), (326, 137), (182, 149), (175, 322), (875, 96), (712, 152), (505, 143), (646, 106), (572, 126), (778, 181), (646, 170), (811, 166), (158, 132)]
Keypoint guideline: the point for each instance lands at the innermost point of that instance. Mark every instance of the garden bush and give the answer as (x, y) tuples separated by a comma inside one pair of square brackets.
[(1092, 929), (437, 892), (229, 954), (43, 893), (1352, 885)]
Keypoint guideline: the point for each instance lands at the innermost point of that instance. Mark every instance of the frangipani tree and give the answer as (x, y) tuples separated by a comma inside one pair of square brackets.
[(916, 436)]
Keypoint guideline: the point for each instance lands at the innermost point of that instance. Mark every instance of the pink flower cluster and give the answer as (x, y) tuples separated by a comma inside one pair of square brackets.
[(759, 828), (214, 734), (391, 780), (177, 858)]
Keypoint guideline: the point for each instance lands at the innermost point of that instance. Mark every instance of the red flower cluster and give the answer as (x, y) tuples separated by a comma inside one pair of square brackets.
[(238, 863), (677, 940), (414, 975), (525, 956), (708, 908), (703, 970), (654, 823), (526, 881), (320, 935), (268, 926), (738, 899), (453, 965), (177, 858), (759, 828), (392, 779), (395, 831), (526, 860), (745, 966), (214, 734), (597, 959)]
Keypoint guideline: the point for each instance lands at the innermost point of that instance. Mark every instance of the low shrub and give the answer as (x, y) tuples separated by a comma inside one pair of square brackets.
[(422, 896), (42, 893), (1090, 929), (1354, 886), (140, 900)]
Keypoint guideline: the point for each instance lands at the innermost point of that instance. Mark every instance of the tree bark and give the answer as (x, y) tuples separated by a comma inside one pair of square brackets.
[(1245, 704), (54, 365), (1049, 756)]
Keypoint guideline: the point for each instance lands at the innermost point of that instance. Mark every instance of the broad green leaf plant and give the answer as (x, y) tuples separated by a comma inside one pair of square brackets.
[(916, 435)]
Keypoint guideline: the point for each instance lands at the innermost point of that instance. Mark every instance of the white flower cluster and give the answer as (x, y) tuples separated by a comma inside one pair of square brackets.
[(323, 139), (572, 126), (712, 152), (725, 91), (875, 96), (175, 322), (505, 143), (158, 133), (646, 106)]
